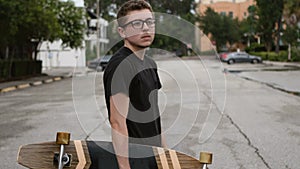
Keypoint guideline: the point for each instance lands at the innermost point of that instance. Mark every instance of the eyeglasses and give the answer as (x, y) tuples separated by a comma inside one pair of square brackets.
[(139, 24)]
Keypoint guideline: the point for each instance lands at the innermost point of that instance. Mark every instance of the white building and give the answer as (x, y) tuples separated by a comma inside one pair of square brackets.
[(55, 55)]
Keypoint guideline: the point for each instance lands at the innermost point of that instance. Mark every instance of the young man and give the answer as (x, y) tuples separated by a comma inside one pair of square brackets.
[(131, 82)]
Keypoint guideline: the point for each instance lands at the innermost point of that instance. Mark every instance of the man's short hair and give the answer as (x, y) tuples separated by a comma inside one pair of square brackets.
[(129, 6)]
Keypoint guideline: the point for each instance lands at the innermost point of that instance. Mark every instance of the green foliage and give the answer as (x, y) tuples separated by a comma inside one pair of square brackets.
[(4, 69), (232, 34), (290, 35), (269, 13), (249, 25), (180, 8), (25, 24), (72, 27), (222, 28), (19, 69), (255, 47), (291, 8), (272, 56), (8, 25), (282, 56), (295, 54)]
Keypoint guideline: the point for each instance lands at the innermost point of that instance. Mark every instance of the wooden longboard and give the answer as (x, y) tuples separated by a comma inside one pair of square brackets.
[(99, 155)]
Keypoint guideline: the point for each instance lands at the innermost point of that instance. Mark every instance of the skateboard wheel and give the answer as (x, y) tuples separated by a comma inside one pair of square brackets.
[(205, 158), (62, 138)]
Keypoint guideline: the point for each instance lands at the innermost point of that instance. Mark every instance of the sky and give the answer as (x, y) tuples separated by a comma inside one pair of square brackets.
[(78, 3)]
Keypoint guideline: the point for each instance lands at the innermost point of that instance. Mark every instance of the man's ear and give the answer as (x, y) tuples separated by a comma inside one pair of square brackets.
[(121, 32)]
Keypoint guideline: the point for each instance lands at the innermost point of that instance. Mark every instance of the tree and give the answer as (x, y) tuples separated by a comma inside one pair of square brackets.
[(27, 23), (269, 13), (71, 24), (37, 22), (8, 25), (279, 15), (291, 13), (232, 34), (222, 28), (248, 26)]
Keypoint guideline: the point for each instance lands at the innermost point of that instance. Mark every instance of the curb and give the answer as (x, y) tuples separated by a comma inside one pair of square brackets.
[(284, 64), (32, 84)]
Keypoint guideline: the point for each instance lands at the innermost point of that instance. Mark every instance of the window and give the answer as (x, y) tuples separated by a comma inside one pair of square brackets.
[(230, 14), (223, 13)]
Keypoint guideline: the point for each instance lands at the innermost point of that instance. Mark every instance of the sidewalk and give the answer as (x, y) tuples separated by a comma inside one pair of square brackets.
[(286, 80), (283, 64), (47, 76)]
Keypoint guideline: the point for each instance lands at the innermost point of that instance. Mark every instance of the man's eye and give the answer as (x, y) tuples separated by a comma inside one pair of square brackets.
[(150, 22), (138, 23)]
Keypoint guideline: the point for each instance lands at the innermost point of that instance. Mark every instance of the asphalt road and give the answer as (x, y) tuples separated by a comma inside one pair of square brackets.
[(238, 112)]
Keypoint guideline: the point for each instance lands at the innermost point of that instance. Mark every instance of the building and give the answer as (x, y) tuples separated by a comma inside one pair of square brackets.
[(56, 55), (234, 8)]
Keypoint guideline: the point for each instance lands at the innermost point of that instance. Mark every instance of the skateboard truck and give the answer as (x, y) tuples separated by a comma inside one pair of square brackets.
[(62, 139), (205, 159)]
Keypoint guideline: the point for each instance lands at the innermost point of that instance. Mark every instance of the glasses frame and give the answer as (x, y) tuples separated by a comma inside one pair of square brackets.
[(143, 23)]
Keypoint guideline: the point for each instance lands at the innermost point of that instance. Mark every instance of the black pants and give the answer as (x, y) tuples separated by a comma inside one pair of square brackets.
[(103, 157)]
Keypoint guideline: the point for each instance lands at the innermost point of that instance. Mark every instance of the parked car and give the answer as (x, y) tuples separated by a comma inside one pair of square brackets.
[(99, 64), (235, 57)]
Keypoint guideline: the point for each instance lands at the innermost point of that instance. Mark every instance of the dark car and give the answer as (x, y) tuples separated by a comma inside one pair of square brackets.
[(235, 57), (99, 64)]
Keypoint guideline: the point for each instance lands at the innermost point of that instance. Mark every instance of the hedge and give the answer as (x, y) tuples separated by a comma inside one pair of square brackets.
[(19, 68), (281, 56)]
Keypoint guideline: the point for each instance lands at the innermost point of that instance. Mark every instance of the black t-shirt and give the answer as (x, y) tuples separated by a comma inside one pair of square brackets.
[(139, 80)]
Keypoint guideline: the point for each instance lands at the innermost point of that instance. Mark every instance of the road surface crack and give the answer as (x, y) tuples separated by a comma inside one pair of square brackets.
[(248, 141)]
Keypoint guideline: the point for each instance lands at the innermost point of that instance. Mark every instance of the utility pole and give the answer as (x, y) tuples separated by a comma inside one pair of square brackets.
[(98, 29)]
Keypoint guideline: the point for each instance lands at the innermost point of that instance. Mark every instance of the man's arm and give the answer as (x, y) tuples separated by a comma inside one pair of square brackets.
[(163, 141), (119, 104)]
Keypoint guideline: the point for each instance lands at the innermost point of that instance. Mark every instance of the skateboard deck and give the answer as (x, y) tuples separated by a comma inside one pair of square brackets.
[(100, 155)]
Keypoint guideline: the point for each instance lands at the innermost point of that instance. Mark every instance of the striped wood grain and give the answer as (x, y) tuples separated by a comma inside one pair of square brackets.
[(174, 160), (40, 156)]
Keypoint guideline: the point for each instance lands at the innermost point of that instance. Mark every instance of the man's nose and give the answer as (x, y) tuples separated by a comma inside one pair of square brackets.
[(145, 26)]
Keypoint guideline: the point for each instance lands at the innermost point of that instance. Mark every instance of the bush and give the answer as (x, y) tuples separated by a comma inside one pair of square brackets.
[(272, 56), (295, 54), (255, 47), (19, 68), (4, 69)]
